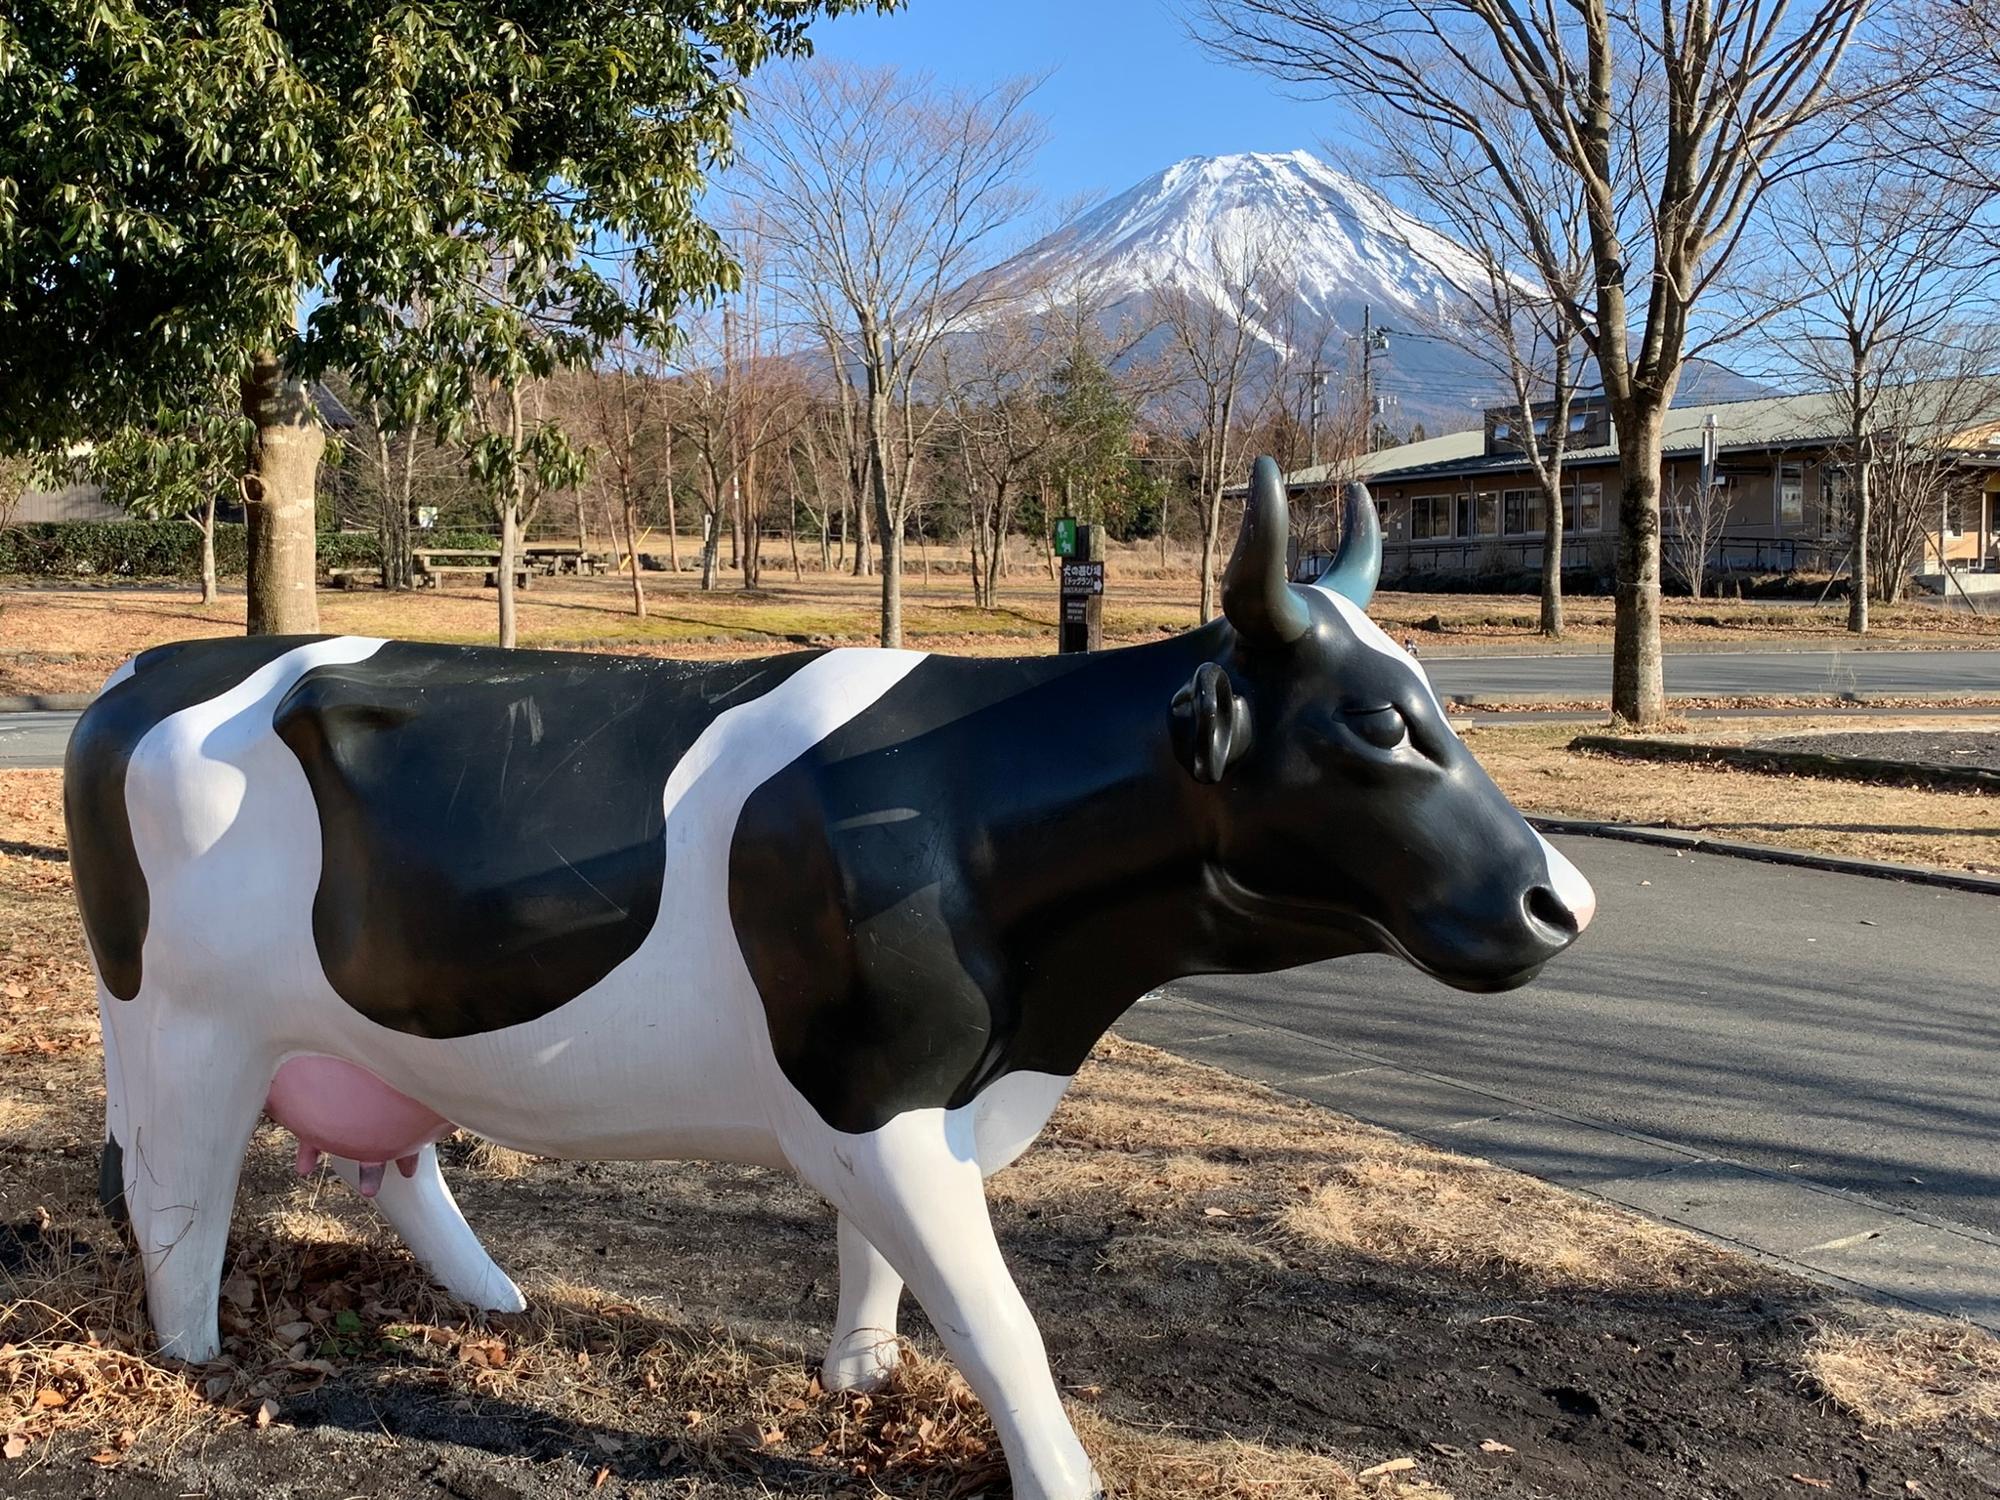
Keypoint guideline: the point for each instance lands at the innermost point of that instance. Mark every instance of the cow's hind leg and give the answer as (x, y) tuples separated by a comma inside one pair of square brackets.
[(422, 1210), (914, 1190), (189, 1094), (864, 1348)]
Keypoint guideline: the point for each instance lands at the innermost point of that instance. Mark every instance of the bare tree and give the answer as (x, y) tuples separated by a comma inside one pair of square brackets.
[(1518, 289), (623, 421), (1879, 291), (1215, 344), (1696, 513), (1672, 121), (990, 381), (881, 193), (1921, 429)]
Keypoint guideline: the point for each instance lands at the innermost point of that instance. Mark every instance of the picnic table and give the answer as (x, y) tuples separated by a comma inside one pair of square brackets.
[(563, 557), (435, 564)]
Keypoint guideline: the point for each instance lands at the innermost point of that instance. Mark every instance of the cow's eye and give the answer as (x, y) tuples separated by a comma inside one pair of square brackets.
[(1384, 728)]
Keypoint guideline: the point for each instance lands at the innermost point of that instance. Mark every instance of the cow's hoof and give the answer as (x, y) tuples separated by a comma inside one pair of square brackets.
[(862, 1361)]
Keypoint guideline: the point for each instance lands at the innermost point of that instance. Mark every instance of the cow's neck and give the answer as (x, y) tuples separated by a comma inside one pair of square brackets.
[(1098, 877)]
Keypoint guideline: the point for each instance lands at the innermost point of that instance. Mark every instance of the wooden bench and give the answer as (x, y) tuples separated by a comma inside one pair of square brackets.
[(435, 573)]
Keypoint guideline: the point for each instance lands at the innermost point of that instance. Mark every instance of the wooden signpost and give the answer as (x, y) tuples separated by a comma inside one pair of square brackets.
[(1082, 583)]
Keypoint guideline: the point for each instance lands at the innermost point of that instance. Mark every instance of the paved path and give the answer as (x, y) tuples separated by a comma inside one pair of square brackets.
[(33, 739), (1801, 1062), (1731, 673)]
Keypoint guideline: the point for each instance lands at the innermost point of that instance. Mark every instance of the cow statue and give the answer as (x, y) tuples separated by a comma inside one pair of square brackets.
[(859, 914)]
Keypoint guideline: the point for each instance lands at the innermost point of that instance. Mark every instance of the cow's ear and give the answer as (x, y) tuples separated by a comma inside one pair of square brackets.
[(1211, 724)]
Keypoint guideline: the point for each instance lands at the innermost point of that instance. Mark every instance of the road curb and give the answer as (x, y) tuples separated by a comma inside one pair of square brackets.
[(1839, 864), (44, 703)]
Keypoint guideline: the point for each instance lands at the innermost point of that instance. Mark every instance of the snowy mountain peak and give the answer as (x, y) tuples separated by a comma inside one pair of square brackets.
[(1336, 239)]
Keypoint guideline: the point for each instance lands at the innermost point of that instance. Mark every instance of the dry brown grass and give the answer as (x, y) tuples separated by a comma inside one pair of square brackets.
[(1467, 1216), (1535, 767), (1906, 1372)]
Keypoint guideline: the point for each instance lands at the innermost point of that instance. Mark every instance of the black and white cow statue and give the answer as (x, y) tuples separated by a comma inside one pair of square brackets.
[(859, 914)]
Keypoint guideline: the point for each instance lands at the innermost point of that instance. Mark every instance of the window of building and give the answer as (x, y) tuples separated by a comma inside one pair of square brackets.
[(1579, 421), (1792, 494), (1541, 427), (1836, 501), (1502, 431), (1478, 515), (1430, 516), (1583, 508), (1523, 512)]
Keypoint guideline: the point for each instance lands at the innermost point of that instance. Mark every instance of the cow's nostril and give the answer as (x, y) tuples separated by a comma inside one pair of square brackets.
[(1546, 909)]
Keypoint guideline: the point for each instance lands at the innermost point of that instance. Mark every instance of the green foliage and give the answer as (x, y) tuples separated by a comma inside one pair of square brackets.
[(175, 464), (469, 191), (171, 549), (1095, 421)]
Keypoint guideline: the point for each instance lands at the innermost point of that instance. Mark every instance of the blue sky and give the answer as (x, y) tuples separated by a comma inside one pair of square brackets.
[(1128, 94)]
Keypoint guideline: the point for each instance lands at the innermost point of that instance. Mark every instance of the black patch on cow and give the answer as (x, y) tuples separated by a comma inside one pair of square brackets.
[(936, 894), (492, 821), (111, 1182), (110, 886)]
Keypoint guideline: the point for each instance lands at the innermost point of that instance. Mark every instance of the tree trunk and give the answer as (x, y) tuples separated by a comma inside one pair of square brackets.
[(582, 526), (504, 579), (1857, 587), (631, 513), (864, 562), (285, 447), (673, 515), (208, 589), (892, 575), (1638, 691), (1552, 562), (711, 541), (792, 534)]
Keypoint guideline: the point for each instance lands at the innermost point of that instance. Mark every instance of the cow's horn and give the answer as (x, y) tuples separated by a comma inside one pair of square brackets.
[(1358, 564), (1256, 596)]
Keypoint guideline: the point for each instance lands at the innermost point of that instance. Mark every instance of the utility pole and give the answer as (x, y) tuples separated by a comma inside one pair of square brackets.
[(1316, 381), (1367, 378)]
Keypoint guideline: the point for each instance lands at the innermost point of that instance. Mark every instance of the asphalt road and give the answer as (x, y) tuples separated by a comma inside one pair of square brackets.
[(1843, 1028), (1731, 673), (28, 740)]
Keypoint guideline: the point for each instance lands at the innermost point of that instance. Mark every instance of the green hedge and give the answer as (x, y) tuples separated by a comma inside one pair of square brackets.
[(169, 549)]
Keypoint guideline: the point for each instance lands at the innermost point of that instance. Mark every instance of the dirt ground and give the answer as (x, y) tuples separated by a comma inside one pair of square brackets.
[(68, 638), (1244, 1296), (1958, 830)]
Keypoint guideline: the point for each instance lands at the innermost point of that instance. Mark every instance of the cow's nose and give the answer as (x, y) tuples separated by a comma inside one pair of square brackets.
[(1567, 892)]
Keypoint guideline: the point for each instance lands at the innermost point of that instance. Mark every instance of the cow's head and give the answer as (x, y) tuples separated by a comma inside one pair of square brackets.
[(1347, 815)]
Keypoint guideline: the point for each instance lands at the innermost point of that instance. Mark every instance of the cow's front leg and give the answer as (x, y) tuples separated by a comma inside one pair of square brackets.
[(913, 1189), (864, 1348)]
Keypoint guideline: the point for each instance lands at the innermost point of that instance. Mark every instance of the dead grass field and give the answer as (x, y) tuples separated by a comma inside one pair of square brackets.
[(1245, 1297), (1957, 830), (69, 639)]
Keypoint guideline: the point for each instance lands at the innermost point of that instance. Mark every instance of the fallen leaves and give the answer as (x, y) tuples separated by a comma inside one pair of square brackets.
[(1391, 1466)]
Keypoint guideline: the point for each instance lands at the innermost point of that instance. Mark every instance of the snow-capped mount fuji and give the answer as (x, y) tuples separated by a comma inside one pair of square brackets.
[(1342, 244), (1343, 248)]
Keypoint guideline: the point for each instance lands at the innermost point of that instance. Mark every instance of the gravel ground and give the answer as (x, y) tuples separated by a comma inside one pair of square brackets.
[(1925, 747)]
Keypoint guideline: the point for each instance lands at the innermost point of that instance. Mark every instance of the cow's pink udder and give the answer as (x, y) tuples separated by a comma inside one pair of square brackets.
[(338, 1108)]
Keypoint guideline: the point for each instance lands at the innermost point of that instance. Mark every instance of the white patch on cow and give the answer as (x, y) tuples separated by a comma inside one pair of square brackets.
[(125, 669), (1569, 884), (1371, 635)]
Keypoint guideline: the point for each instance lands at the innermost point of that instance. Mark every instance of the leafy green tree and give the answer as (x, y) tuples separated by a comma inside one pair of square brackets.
[(448, 185), (178, 465), (1093, 422)]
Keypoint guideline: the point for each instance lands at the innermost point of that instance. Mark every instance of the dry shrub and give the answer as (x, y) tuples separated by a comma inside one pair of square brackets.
[(1899, 1371), (1403, 1205), (491, 1160), (1139, 1464)]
